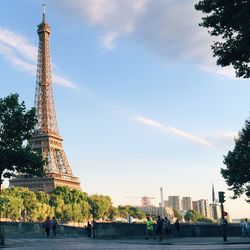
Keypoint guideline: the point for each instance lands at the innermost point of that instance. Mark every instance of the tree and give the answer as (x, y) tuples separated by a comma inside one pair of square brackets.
[(191, 215), (237, 171), (205, 219), (16, 127), (136, 213), (123, 212), (100, 205), (188, 216), (70, 204), (177, 215), (230, 22)]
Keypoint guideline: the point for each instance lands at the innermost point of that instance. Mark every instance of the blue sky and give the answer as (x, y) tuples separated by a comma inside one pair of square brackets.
[(140, 101)]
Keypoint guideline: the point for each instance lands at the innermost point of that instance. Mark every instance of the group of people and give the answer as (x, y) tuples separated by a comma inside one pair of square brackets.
[(162, 228), (88, 230), (50, 224), (245, 228)]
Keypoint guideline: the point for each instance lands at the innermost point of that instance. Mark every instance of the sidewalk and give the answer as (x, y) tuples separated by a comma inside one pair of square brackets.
[(79, 243)]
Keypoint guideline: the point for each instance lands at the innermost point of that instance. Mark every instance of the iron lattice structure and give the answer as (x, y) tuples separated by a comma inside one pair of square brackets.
[(46, 138)]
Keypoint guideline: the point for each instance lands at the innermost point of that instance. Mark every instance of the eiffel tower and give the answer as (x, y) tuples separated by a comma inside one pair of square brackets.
[(46, 137)]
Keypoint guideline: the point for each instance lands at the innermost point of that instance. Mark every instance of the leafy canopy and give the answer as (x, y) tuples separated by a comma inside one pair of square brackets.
[(237, 171), (229, 21), (16, 127)]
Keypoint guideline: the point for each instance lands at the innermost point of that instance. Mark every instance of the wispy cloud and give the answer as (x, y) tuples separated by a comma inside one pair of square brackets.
[(114, 18), (172, 130), (223, 138), (108, 41), (169, 28), (17, 50)]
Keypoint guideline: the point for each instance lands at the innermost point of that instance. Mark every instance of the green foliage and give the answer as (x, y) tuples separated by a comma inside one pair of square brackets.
[(177, 215), (70, 204), (16, 127), (229, 21), (42, 197), (237, 171), (204, 219), (125, 211), (64, 203), (100, 205), (11, 207), (192, 215)]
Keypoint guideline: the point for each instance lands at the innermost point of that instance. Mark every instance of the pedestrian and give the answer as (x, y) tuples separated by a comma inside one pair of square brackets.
[(177, 228), (54, 226), (158, 229), (149, 227), (47, 226), (166, 226), (246, 227), (89, 229)]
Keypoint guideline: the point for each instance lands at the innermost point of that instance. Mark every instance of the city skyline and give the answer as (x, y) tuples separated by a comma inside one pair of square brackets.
[(140, 104)]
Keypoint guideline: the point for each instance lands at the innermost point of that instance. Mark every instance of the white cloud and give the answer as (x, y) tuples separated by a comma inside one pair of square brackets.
[(108, 40), (10, 55), (63, 81), (114, 18), (16, 49), (172, 130), (18, 43), (169, 28)]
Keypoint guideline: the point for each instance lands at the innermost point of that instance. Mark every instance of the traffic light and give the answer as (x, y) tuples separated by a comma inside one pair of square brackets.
[(221, 197), (225, 213)]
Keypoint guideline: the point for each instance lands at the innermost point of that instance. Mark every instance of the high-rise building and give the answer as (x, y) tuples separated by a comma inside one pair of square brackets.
[(214, 207), (195, 206), (203, 208), (47, 139), (187, 203), (215, 212), (174, 202), (213, 194)]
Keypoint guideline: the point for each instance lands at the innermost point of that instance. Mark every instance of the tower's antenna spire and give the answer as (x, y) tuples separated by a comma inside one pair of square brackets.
[(213, 193), (43, 13)]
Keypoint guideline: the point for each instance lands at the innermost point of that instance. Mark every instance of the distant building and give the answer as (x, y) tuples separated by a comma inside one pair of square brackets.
[(203, 208), (174, 202), (195, 206), (151, 210), (215, 212), (187, 203), (214, 206), (166, 203)]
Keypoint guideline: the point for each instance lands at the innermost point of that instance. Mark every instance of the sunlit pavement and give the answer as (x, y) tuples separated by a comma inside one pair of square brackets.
[(84, 243)]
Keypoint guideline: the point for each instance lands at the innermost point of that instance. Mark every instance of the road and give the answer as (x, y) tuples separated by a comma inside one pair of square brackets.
[(85, 243)]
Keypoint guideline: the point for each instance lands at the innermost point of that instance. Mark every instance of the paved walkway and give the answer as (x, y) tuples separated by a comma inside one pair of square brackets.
[(84, 243)]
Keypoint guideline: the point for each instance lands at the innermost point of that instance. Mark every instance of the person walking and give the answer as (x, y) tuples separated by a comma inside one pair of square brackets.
[(166, 227), (246, 228), (54, 226), (47, 226), (149, 227), (177, 228), (89, 229), (158, 229)]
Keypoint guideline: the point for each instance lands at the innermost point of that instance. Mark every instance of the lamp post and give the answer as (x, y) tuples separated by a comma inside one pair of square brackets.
[(223, 214)]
